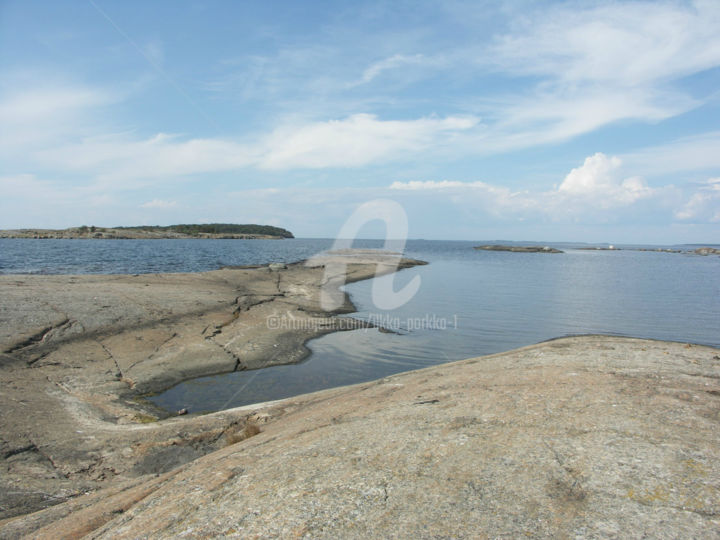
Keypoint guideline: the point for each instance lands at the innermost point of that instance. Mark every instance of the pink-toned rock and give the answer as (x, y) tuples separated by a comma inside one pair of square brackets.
[(579, 437)]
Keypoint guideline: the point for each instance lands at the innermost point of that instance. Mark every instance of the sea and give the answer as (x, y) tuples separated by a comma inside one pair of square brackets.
[(469, 303)]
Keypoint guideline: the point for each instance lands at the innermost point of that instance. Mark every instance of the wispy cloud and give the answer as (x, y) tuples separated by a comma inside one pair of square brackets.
[(393, 62), (43, 114), (159, 203), (600, 64), (704, 205), (419, 185), (371, 95), (350, 142), (36, 104), (624, 44), (360, 139)]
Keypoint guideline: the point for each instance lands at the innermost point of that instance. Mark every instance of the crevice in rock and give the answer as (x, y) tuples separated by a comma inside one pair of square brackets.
[(152, 354), (22, 449), (37, 337), (50, 460), (32, 361), (227, 351), (110, 355)]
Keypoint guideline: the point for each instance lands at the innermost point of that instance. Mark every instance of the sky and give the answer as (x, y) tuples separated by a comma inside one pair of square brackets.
[(543, 121)]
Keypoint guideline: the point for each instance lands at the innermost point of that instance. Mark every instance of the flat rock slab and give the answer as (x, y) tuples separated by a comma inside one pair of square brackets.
[(579, 437), (78, 353)]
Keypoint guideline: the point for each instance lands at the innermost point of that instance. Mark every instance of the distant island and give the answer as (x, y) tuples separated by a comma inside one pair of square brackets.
[(705, 251), (519, 249), (208, 230)]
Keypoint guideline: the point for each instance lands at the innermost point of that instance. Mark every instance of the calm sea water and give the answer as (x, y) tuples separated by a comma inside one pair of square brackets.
[(470, 303)]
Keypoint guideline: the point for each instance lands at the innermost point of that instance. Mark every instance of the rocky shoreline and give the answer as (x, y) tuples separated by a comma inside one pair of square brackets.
[(128, 233), (78, 353), (591, 436)]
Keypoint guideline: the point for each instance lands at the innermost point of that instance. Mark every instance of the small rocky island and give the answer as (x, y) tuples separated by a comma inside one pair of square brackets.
[(519, 249), (707, 251), (147, 232)]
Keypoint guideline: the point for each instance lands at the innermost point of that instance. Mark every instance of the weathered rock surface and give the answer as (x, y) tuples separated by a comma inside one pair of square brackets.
[(579, 437), (78, 352), (519, 249)]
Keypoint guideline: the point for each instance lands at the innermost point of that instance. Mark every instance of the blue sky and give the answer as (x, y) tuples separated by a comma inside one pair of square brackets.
[(579, 121)]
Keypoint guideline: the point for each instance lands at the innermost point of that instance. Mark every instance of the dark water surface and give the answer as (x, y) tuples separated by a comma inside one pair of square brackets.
[(30, 256), (470, 303)]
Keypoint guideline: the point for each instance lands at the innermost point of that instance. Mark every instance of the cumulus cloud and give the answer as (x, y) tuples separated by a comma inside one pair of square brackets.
[(599, 178), (597, 172), (596, 188)]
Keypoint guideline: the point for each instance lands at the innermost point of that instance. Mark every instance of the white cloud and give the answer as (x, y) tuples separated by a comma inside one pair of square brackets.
[(121, 157), (392, 62), (704, 205), (36, 104), (159, 203), (626, 44), (599, 179), (596, 188), (360, 139), (598, 65), (41, 115), (419, 185), (597, 172), (355, 141), (562, 113)]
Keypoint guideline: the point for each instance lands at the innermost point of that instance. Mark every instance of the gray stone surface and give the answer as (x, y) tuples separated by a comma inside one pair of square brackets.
[(580, 437), (77, 353)]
